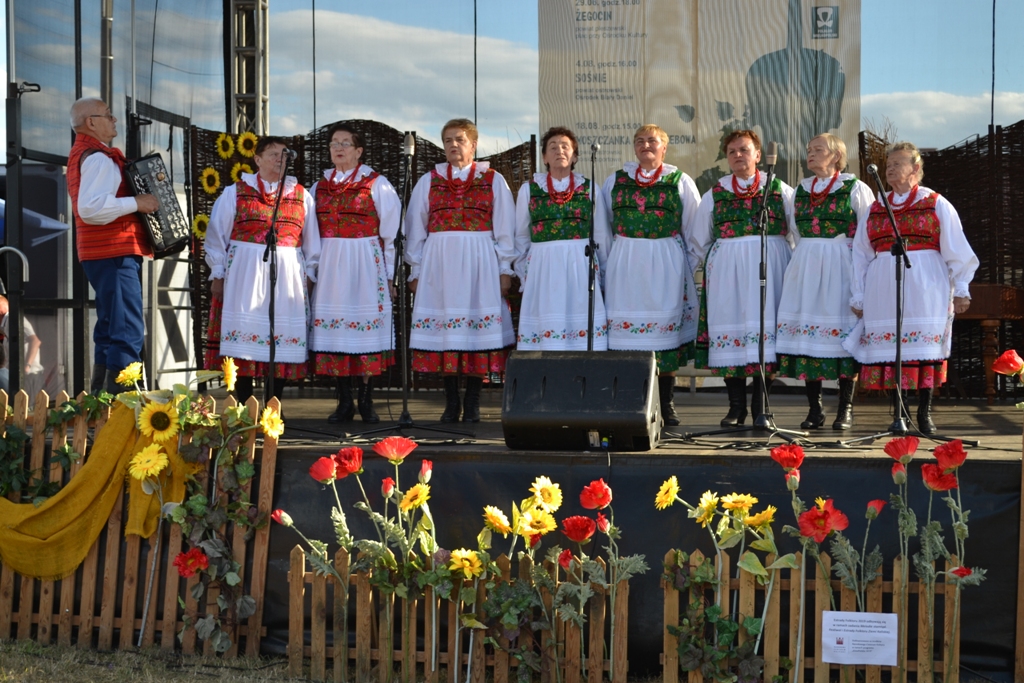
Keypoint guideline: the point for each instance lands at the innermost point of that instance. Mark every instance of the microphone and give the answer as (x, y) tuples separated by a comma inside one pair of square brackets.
[(289, 154), (873, 170), (409, 146), (595, 147), (772, 154)]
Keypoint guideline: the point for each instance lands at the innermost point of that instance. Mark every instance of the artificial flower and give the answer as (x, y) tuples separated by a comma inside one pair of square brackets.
[(496, 521), (350, 461), (667, 493), (596, 495), (705, 511), (565, 559), (1008, 364), (426, 469), (738, 501), (247, 144), (394, 448), (821, 520), (950, 455), (602, 523), (935, 479), (158, 421), (874, 508), (225, 146), (238, 169), (230, 371), (387, 487), (790, 456), (536, 522), (209, 180), (199, 225), (762, 518), (533, 540), (415, 497), (130, 375), (793, 480), (324, 470), (467, 562), (195, 560), (281, 517), (578, 528), (548, 495), (899, 474), (149, 462), (902, 448), (961, 572), (272, 424)]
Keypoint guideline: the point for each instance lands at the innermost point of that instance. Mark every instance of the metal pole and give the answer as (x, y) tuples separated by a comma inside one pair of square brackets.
[(106, 51)]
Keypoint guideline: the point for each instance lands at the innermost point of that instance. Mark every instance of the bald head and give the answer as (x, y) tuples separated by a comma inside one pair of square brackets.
[(85, 107), (91, 116)]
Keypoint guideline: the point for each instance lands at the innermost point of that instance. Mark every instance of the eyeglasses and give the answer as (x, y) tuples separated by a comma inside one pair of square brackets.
[(108, 115), (341, 145)]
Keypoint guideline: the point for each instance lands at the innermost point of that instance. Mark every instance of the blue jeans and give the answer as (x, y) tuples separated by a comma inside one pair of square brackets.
[(119, 332)]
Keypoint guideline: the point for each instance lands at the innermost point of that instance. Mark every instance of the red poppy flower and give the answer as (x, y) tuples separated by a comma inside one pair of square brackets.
[(790, 456), (596, 495), (902, 448), (281, 517), (1008, 364), (189, 563), (578, 528), (821, 520), (602, 523), (875, 508), (899, 474), (426, 468), (324, 470), (950, 455), (793, 480), (394, 448), (565, 559), (962, 572), (935, 479), (350, 461), (387, 487)]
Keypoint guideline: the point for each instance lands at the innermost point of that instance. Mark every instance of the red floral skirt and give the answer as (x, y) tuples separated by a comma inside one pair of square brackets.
[(917, 374), (245, 368), (477, 363), (352, 365)]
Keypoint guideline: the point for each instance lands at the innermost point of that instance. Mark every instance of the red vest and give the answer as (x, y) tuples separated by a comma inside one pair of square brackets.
[(472, 211), (919, 225), (124, 236), (347, 210), (253, 212)]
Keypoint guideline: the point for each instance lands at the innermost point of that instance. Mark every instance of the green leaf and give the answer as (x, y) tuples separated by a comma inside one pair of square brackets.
[(483, 539), (470, 621), (467, 595), (763, 544), (785, 562), (205, 627), (130, 399), (147, 487), (232, 578), (750, 563), (246, 606), (202, 376), (730, 538)]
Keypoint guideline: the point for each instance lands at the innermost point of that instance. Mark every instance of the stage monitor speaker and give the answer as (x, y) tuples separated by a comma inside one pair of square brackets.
[(579, 400)]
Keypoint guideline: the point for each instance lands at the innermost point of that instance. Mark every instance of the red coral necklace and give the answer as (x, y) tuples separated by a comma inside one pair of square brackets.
[(461, 187), (818, 198), (266, 195), (645, 180), (561, 197), (749, 191), (906, 203)]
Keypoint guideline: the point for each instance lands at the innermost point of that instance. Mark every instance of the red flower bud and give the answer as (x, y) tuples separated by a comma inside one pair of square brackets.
[(793, 480), (426, 468), (534, 540), (387, 487), (962, 572), (1008, 364), (874, 508), (899, 474), (281, 517), (565, 559), (602, 523)]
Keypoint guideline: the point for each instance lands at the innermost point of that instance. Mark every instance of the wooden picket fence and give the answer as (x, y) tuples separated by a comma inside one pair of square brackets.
[(117, 568), (372, 643), (783, 613)]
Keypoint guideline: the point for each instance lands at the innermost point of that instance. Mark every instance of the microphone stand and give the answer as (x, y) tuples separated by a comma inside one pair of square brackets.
[(270, 254), (592, 247)]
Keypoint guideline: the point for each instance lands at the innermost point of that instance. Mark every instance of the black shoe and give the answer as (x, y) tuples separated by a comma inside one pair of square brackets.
[(816, 416), (243, 389), (737, 388), (844, 415), (666, 391), (365, 400), (452, 407), (471, 406), (346, 410), (924, 412), (99, 376)]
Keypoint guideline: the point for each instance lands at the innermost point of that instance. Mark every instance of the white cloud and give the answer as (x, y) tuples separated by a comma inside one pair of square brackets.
[(408, 77), (939, 119)]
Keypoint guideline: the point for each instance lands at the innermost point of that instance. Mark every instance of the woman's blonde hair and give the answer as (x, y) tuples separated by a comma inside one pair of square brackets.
[(835, 145), (915, 156), (465, 125), (648, 128)]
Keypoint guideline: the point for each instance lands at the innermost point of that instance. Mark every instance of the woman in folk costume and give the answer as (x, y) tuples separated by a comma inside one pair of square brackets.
[(240, 279), (352, 334), (814, 317), (727, 235), (935, 287), (650, 208), (553, 218), (461, 242)]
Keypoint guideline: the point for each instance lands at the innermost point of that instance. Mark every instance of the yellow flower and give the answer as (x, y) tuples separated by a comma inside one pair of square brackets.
[(272, 424), (415, 497), (238, 169), (199, 225), (667, 493), (705, 511), (536, 522), (247, 144), (496, 521), (225, 145), (820, 502), (761, 519), (158, 421), (467, 562), (130, 375), (230, 372), (209, 179), (547, 495), (738, 501), (148, 462)]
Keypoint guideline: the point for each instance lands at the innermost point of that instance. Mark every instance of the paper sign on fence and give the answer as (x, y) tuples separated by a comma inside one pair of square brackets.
[(863, 638)]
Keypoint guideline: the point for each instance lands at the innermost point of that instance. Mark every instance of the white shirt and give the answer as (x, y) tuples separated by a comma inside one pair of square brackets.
[(98, 203)]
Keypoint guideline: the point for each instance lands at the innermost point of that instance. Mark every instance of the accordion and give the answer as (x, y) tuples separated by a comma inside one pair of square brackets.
[(167, 228)]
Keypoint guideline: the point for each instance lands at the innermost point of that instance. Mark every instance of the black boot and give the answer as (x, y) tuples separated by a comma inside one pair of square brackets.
[(924, 411), (346, 410), (452, 406), (757, 399), (243, 389), (844, 415), (816, 415), (471, 406), (666, 391), (896, 394), (366, 410), (112, 386), (737, 388), (99, 376)]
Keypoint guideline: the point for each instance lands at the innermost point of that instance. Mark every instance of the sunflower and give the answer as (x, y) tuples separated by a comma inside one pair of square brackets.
[(496, 521), (158, 421), (230, 372), (148, 462), (210, 180), (199, 225), (536, 522), (547, 494), (130, 375), (415, 497), (738, 501), (705, 511), (272, 424), (225, 146), (467, 562), (761, 519), (238, 169), (667, 493), (247, 144)]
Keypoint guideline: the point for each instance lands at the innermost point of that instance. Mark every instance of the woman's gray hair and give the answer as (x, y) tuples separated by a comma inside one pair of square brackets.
[(915, 156)]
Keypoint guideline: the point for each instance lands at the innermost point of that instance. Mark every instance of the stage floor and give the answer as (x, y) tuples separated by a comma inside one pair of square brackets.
[(998, 428)]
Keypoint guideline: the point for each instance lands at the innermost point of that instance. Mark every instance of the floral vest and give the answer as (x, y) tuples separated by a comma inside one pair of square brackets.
[(652, 212), (736, 216), (253, 214), (829, 219), (919, 225), (347, 210), (471, 211), (550, 221)]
